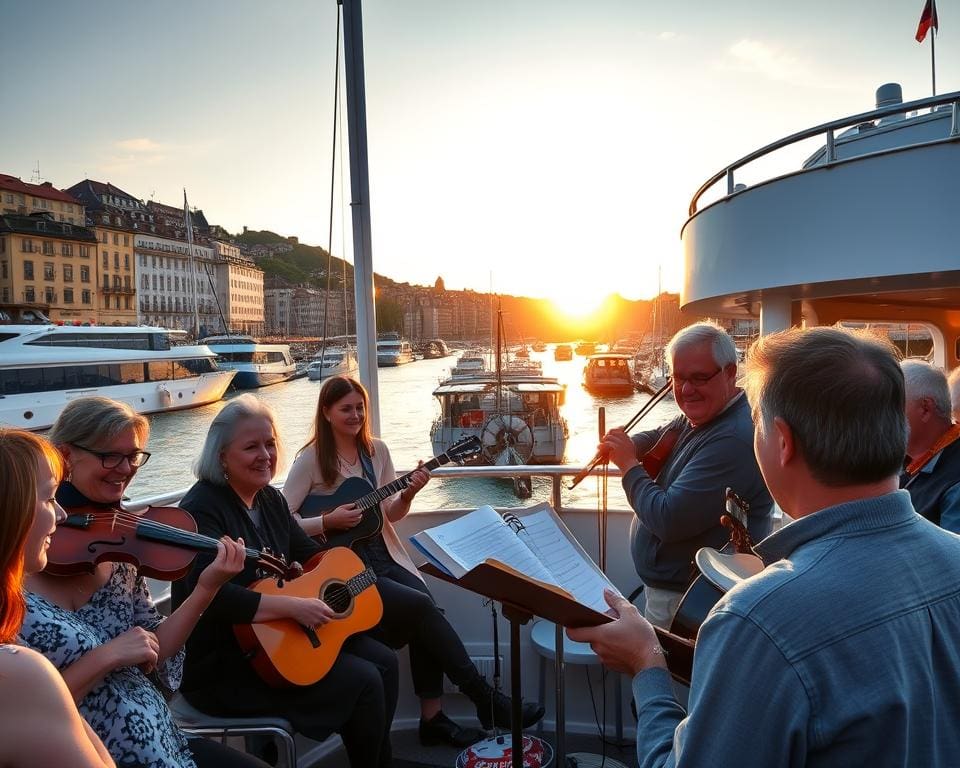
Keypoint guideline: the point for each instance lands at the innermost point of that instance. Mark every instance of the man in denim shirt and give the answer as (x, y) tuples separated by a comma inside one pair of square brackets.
[(843, 651)]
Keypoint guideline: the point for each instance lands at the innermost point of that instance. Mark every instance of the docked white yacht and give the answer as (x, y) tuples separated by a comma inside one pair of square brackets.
[(392, 351), (256, 364), (334, 361), (43, 367)]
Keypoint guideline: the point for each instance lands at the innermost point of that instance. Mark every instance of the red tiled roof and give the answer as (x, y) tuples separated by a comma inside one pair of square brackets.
[(45, 190)]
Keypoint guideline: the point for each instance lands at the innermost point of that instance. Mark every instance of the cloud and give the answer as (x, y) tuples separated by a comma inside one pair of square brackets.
[(138, 145), (667, 36), (772, 62)]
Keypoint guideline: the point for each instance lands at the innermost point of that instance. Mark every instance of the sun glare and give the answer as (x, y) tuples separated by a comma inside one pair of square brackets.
[(578, 305)]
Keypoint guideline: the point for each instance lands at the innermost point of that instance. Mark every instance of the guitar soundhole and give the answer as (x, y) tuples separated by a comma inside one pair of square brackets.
[(337, 596)]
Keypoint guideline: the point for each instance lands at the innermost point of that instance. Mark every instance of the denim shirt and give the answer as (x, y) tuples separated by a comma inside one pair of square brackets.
[(844, 651)]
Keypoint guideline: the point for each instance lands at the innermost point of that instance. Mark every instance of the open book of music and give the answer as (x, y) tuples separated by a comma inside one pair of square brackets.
[(532, 542)]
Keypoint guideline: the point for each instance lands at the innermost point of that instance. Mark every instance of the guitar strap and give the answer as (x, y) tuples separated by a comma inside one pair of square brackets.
[(367, 464)]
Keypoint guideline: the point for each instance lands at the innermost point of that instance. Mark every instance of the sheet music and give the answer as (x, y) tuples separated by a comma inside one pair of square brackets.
[(569, 564), (466, 542)]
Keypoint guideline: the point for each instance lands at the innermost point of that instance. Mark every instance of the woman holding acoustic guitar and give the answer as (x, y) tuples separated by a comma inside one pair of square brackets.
[(233, 496), (101, 628), (343, 447), (39, 722)]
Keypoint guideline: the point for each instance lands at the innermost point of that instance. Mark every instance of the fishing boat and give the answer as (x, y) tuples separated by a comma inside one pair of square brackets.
[(256, 364), (393, 351), (470, 363), (586, 348), (563, 352), (608, 374), (333, 361), (44, 367)]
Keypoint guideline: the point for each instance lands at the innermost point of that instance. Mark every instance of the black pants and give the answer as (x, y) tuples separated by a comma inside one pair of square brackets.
[(356, 698), (411, 617)]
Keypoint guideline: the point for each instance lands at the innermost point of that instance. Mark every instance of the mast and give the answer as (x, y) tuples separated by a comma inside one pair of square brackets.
[(193, 272), (363, 287)]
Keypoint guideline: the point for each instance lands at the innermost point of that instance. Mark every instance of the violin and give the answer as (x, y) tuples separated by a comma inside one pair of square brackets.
[(161, 542), (654, 459)]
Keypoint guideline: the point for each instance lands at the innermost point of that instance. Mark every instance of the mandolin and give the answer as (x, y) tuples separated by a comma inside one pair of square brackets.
[(285, 653), (356, 490)]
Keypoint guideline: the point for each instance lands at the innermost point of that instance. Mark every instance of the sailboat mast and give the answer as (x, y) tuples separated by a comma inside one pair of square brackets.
[(193, 272), (363, 287)]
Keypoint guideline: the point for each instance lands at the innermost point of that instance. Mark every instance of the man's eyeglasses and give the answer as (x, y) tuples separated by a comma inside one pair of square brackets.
[(113, 460), (695, 380)]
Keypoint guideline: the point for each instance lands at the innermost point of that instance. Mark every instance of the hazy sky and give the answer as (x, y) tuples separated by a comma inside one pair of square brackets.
[(506, 139)]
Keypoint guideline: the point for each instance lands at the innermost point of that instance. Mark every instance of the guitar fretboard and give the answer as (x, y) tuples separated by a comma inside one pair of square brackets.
[(375, 497), (363, 580)]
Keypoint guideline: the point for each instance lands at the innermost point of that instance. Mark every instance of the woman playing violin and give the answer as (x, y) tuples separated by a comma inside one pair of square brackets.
[(233, 496), (101, 629), (39, 722), (342, 447)]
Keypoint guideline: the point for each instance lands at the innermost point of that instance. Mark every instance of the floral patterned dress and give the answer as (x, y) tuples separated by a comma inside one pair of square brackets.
[(126, 709)]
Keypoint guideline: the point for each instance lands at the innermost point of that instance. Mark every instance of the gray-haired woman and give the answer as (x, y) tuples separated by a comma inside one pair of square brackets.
[(233, 496)]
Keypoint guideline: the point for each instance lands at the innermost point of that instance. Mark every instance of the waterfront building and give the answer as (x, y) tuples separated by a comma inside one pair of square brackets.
[(115, 216), (48, 265), (20, 198), (240, 288), (299, 310)]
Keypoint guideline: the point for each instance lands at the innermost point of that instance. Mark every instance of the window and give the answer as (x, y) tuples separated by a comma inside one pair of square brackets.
[(106, 259), (116, 260), (126, 239), (126, 281), (26, 245), (126, 302), (126, 261), (116, 239), (103, 235), (116, 281), (48, 273), (85, 297), (106, 282), (48, 295), (84, 251), (66, 249), (28, 270), (68, 295), (84, 274), (68, 273), (3, 270), (29, 295), (47, 248)]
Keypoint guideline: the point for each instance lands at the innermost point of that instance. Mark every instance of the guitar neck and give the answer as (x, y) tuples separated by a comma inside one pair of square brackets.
[(375, 497)]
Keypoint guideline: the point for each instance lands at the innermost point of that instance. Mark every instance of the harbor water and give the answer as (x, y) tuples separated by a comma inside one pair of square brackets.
[(407, 410)]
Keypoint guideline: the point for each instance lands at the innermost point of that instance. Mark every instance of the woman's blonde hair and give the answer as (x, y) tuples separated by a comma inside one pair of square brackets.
[(93, 421), (20, 456)]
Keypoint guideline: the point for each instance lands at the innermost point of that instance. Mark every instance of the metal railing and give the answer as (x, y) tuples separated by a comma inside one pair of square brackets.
[(555, 472), (829, 130)]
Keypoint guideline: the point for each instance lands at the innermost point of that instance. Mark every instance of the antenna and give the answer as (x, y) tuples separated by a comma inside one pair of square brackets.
[(36, 178)]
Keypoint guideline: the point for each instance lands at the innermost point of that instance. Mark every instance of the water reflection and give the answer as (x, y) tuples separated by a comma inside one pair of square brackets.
[(406, 412)]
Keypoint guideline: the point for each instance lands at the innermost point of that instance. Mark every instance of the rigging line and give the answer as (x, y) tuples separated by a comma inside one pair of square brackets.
[(333, 177)]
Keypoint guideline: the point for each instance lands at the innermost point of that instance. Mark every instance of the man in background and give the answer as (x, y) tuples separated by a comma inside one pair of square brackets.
[(841, 651), (932, 475), (678, 507)]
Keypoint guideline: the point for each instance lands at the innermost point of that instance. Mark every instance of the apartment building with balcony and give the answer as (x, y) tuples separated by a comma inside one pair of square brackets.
[(240, 288), (20, 198), (48, 265)]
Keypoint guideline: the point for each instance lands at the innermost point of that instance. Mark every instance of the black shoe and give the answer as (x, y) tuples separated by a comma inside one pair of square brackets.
[(494, 708), (440, 729)]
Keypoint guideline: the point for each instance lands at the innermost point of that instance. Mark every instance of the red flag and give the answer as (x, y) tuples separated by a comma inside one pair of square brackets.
[(927, 19)]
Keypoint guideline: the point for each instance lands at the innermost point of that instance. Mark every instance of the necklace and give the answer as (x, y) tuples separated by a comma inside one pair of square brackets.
[(345, 462)]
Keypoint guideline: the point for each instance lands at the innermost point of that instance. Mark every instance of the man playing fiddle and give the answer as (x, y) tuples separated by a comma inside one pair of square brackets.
[(678, 507)]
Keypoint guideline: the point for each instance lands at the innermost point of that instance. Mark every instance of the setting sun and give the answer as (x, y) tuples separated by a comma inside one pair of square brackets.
[(578, 303)]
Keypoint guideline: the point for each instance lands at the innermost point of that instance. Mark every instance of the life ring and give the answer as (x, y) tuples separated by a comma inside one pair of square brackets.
[(166, 397), (507, 439)]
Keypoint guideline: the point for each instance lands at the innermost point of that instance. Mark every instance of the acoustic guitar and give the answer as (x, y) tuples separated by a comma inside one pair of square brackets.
[(703, 593), (357, 490), (285, 653)]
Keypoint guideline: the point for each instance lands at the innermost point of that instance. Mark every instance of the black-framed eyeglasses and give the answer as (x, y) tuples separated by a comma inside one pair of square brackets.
[(111, 460), (696, 380)]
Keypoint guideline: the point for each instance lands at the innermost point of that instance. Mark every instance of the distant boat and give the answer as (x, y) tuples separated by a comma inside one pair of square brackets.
[(44, 367), (470, 363), (586, 348), (608, 374), (392, 351), (256, 364), (336, 361), (434, 349), (563, 352), (538, 346)]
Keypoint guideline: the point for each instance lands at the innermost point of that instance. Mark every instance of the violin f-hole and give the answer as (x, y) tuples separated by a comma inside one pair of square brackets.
[(94, 545)]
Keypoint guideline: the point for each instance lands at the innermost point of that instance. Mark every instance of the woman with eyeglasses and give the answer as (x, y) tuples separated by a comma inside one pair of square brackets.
[(102, 629), (39, 722)]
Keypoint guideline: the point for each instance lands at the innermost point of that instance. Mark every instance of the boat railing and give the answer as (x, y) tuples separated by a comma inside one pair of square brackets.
[(829, 131), (555, 472)]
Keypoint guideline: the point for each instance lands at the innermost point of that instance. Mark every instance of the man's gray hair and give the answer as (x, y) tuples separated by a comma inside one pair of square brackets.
[(953, 381), (842, 395), (94, 421), (208, 465), (724, 350), (925, 380)]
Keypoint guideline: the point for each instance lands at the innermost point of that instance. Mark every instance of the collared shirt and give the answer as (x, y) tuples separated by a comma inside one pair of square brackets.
[(841, 652), (950, 503)]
